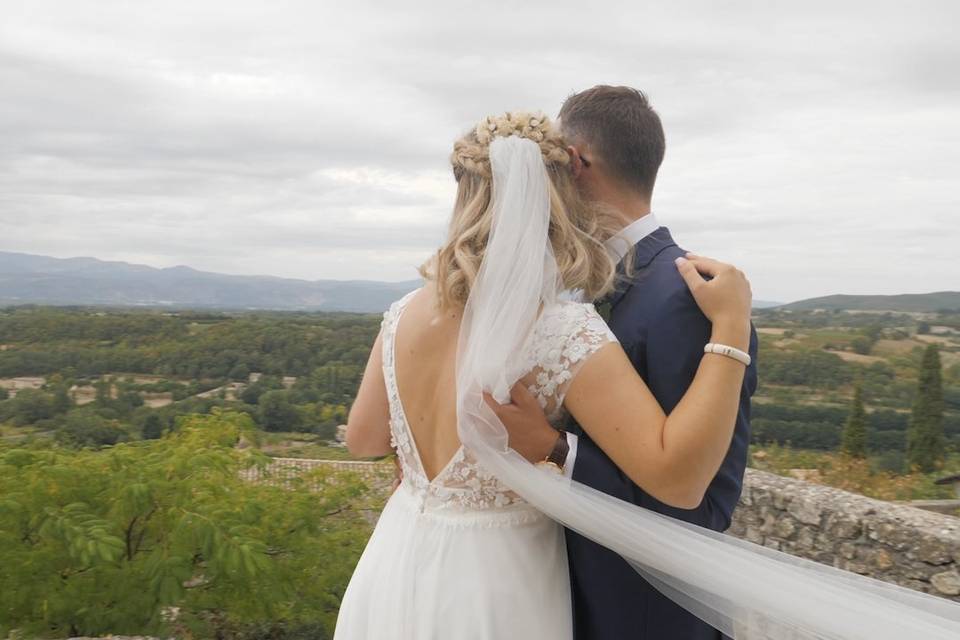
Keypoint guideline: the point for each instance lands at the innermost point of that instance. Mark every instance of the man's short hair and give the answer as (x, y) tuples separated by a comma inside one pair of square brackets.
[(619, 124)]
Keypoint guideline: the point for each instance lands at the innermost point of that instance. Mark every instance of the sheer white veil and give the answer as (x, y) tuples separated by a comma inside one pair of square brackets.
[(743, 589)]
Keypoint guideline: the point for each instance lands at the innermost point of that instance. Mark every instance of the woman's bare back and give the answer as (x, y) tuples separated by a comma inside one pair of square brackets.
[(426, 348)]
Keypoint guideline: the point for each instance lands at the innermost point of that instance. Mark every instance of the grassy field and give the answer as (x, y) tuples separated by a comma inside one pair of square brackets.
[(302, 445), (866, 477)]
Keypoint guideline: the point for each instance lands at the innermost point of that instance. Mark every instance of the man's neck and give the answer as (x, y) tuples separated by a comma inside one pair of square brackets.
[(630, 206)]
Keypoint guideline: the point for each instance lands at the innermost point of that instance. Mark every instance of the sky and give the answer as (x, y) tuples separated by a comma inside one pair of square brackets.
[(816, 145)]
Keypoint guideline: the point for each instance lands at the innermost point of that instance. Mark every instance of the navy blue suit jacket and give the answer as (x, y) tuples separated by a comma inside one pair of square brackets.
[(662, 330)]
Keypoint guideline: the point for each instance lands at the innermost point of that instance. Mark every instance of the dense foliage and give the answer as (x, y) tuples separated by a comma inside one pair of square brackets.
[(808, 364), (188, 346), (188, 354), (118, 540)]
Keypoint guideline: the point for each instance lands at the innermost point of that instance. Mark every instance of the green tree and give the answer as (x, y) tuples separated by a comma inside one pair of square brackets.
[(85, 428), (61, 399), (29, 406), (251, 393), (240, 372), (152, 427), (854, 441), (861, 345), (98, 542), (864, 343), (925, 439), (277, 413), (104, 388)]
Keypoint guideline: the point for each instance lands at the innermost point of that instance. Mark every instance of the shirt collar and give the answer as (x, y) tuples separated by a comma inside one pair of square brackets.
[(619, 244)]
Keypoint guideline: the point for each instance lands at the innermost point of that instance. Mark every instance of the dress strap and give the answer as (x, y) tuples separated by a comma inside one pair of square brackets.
[(389, 323), (400, 437)]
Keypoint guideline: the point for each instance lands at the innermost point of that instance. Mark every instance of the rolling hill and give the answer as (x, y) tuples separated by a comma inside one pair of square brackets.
[(33, 279), (906, 302)]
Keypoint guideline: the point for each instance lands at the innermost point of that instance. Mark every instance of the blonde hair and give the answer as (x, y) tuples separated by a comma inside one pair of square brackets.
[(577, 229)]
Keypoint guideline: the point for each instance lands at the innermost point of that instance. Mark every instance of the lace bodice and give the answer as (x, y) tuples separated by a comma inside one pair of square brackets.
[(565, 334)]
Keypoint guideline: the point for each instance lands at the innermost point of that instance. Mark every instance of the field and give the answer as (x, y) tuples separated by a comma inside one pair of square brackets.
[(93, 378), (810, 362)]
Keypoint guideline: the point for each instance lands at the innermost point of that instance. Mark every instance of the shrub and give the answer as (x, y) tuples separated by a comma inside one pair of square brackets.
[(104, 542)]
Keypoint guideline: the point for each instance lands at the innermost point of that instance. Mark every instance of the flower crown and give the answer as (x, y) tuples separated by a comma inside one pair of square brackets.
[(471, 153)]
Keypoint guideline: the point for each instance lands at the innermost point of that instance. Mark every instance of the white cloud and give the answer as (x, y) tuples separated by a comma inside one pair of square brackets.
[(815, 144)]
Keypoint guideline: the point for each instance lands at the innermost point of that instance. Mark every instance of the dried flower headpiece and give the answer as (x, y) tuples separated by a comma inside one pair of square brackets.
[(471, 153)]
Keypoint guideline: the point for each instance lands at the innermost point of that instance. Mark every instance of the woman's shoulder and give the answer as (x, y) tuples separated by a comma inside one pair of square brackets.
[(399, 303), (567, 334), (570, 318)]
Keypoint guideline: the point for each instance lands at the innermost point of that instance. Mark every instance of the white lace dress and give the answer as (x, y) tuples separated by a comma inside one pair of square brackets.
[(461, 556)]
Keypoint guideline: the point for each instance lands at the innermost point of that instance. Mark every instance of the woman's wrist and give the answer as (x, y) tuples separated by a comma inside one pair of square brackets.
[(733, 333)]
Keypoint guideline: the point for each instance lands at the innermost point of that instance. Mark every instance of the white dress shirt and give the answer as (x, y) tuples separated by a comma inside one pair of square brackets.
[(618, 246), (631, 234)]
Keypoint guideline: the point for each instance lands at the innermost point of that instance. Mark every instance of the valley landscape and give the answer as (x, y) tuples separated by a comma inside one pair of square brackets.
[(150, 415), (80, 366)]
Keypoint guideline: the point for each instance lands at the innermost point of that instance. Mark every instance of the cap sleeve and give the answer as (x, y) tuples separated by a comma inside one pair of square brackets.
[(567, 335)]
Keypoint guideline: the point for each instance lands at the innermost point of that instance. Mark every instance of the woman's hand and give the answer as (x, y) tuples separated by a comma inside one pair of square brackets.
[(725, 299)]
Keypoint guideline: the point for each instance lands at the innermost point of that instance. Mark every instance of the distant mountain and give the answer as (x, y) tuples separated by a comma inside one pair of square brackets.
[(765, 304), (33, 279), (915, 302)]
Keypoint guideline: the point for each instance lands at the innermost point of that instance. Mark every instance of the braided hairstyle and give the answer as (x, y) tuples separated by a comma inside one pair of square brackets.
[(471, 153), (577, 230)]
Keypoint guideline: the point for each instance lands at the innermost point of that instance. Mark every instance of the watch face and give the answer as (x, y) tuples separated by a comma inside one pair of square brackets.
[(553, 467)]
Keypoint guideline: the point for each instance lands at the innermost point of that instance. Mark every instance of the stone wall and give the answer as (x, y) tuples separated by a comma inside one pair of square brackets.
[(892, 542), (377, 475)]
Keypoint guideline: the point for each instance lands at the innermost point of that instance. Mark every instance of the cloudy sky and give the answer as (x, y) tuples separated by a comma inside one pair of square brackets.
[(815, 144)]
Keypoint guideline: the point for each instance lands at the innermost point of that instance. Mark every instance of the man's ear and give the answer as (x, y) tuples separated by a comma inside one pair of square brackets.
[(576, 161)]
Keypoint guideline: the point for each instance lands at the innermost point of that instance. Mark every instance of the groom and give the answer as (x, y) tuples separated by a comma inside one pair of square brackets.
[(616, 145)]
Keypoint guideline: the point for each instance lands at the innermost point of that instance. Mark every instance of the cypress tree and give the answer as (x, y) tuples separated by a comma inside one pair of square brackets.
[(854, 441), (152, 427), (925, 439)]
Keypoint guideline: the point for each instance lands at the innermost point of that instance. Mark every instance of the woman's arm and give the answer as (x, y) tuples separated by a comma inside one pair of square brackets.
[(673, 458), (368, 425)]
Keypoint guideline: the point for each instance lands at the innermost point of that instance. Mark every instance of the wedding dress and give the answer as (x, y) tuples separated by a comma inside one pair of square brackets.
[(460, 555)]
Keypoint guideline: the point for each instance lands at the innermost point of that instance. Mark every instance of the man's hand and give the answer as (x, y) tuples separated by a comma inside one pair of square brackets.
[(530, 434)]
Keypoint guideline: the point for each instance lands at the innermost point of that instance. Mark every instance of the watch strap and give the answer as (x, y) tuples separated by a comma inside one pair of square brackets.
[(558, 455)]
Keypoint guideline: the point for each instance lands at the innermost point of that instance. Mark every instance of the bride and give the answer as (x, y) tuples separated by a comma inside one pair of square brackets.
[(471, 544)]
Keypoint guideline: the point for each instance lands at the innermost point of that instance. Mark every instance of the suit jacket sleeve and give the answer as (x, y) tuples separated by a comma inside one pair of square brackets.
[(674, 348)]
